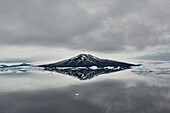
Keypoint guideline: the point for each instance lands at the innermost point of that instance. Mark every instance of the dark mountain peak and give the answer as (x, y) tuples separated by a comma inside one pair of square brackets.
[(84, 57), (87, 60)]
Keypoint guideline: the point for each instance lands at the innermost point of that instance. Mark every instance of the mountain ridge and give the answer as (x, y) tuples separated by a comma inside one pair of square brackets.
[(88, 60), (16, 65)]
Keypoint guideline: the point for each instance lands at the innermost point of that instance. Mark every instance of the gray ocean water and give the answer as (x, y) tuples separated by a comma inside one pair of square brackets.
[(51, 92)]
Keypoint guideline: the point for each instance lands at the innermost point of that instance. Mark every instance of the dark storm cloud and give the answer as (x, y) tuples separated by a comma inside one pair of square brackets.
[(101, 97), (109, 25), (158, 56)]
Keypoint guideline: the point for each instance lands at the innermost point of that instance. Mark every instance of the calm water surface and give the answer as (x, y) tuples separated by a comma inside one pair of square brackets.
[(50, 92)]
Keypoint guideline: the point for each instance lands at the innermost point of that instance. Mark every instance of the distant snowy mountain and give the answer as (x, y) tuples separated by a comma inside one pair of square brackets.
[(87, 60), (18, 68), (10, 66)]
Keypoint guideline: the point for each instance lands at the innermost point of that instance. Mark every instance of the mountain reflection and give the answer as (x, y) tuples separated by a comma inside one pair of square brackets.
[(83, 73)]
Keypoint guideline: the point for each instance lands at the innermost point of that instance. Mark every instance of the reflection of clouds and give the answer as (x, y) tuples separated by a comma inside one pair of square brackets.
[(118, 97), (101, 97), (157, 75), (141, 98), (49, 101)]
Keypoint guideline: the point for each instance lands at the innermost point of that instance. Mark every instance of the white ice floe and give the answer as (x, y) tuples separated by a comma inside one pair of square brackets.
[(93, 67), (77, 94), (109, 67)]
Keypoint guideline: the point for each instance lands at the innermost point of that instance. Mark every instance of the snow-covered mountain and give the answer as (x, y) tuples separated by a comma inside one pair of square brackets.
[(87, 60), (11, 66), (18, 68)]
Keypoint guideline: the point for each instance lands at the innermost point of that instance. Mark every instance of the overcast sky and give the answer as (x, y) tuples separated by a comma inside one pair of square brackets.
[(57, 29)]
